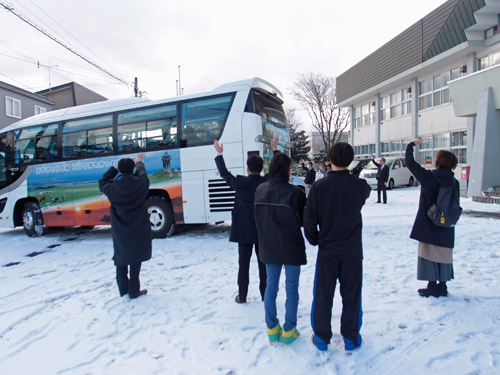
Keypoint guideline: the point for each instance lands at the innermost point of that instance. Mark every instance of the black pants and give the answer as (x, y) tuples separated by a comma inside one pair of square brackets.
[(245, 253), (126, 285), (350, 279), (381, 187)]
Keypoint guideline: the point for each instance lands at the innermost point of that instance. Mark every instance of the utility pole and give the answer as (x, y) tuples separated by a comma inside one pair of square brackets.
[(136, 88), (180, 86), (49, 67)]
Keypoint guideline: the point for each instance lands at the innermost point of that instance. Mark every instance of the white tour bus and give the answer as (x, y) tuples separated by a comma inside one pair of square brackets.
[(50, 163)]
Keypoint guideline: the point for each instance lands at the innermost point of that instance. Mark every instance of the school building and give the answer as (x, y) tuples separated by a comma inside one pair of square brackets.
[(439, 80)]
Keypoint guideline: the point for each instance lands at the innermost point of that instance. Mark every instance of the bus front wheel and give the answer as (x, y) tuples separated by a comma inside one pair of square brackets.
[(33, 220), (161, 217)]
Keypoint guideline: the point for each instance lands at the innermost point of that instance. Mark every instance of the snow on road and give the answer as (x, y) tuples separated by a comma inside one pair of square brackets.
[(60, 311)]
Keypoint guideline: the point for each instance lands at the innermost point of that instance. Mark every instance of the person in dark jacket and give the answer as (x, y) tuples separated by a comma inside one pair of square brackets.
[(243, 230), (334, 205), (279, 208), (382, 178), (130, 226), (310, 175), (435, 246)]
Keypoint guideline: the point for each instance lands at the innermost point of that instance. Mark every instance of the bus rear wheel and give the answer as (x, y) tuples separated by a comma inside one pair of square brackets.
[(161, 217), (33, 220)]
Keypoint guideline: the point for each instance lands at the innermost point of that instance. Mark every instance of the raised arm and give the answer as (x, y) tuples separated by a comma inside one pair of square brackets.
[(221, 165), (416, 169)]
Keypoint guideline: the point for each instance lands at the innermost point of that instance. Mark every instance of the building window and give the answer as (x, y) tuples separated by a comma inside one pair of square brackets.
[(406, 102), (425, 98), (395, 104), (491, 32), (384, 108), (441, 93), (373, 109), (12, 107), (39, 109), (357, 117), (459, 139), (489, 61), (441, 141)]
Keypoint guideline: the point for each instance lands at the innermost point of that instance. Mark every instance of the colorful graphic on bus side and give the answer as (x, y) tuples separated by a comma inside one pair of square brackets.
[(68, 192)]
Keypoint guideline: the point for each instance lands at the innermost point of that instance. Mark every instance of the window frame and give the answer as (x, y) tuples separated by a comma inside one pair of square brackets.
[(12, 107)]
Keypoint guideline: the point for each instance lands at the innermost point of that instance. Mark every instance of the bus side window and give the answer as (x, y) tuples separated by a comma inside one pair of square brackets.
[(204, 119)]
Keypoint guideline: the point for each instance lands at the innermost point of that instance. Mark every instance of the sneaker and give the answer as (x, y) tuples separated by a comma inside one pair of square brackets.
[(237, 299), (140, 293), (287, 337), (320, 344), (274, 334), (351, 345)]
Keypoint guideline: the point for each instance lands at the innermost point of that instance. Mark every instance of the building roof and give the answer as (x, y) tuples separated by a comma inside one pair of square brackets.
[(28, 94), (439, 31), (75, 87)]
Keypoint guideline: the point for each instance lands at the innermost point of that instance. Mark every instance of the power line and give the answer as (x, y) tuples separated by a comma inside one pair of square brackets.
[(63, 28), (37, 62), (10, 9)]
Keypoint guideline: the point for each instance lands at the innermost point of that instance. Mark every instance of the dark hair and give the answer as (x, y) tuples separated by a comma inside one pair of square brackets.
[(382, 159), (255, 164), (341, 154), (126, 165), (446, 160), (279, 168)]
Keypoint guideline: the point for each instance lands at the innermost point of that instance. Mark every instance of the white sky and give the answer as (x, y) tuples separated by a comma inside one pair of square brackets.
[(214, 41)]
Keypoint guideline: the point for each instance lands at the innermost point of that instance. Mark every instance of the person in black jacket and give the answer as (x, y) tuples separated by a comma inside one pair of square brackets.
[(382, 178), (334, 205), (130, 226), (243, 229), (435, 246), (279, 207), (310, 175)]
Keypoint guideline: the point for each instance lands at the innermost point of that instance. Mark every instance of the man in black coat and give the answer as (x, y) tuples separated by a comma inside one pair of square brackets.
[(243, 229), (310, 175), (130, 226), (382, 178), (334, 206)]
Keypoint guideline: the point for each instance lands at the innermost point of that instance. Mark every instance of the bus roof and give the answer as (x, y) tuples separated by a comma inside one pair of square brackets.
[(130, 103)]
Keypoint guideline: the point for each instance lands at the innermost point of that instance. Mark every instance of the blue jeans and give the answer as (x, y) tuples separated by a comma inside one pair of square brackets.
[(292, 274)]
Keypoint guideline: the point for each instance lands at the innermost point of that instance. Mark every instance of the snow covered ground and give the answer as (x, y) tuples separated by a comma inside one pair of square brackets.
[(60, 312)]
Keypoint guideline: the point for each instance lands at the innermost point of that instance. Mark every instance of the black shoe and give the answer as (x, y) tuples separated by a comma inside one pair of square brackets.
[(432, 290), (442, 289), (378, 202), (237, 299), (141, 293)]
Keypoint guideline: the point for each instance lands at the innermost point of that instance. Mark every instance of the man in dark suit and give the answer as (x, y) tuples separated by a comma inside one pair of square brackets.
[(310, 175), (382, 178), (243, 230)]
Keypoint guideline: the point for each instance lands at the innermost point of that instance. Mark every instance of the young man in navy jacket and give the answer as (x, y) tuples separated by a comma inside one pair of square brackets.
[(334, 205)]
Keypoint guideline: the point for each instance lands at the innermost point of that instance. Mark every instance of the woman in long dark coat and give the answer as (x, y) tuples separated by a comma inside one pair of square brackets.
[(435, 246), (130, 224)]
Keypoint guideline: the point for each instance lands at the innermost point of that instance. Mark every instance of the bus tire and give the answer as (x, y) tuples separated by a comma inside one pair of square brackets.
[(33, 220), (161, 217)]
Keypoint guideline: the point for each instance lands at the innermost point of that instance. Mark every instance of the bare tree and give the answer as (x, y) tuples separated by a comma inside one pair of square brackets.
[(318, 94)]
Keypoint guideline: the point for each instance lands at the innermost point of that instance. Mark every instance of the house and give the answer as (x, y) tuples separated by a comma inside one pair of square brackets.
[(16, 104), (70, 95)]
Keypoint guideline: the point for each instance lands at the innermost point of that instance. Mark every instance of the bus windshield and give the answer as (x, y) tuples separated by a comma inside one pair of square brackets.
[(270, 109)]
